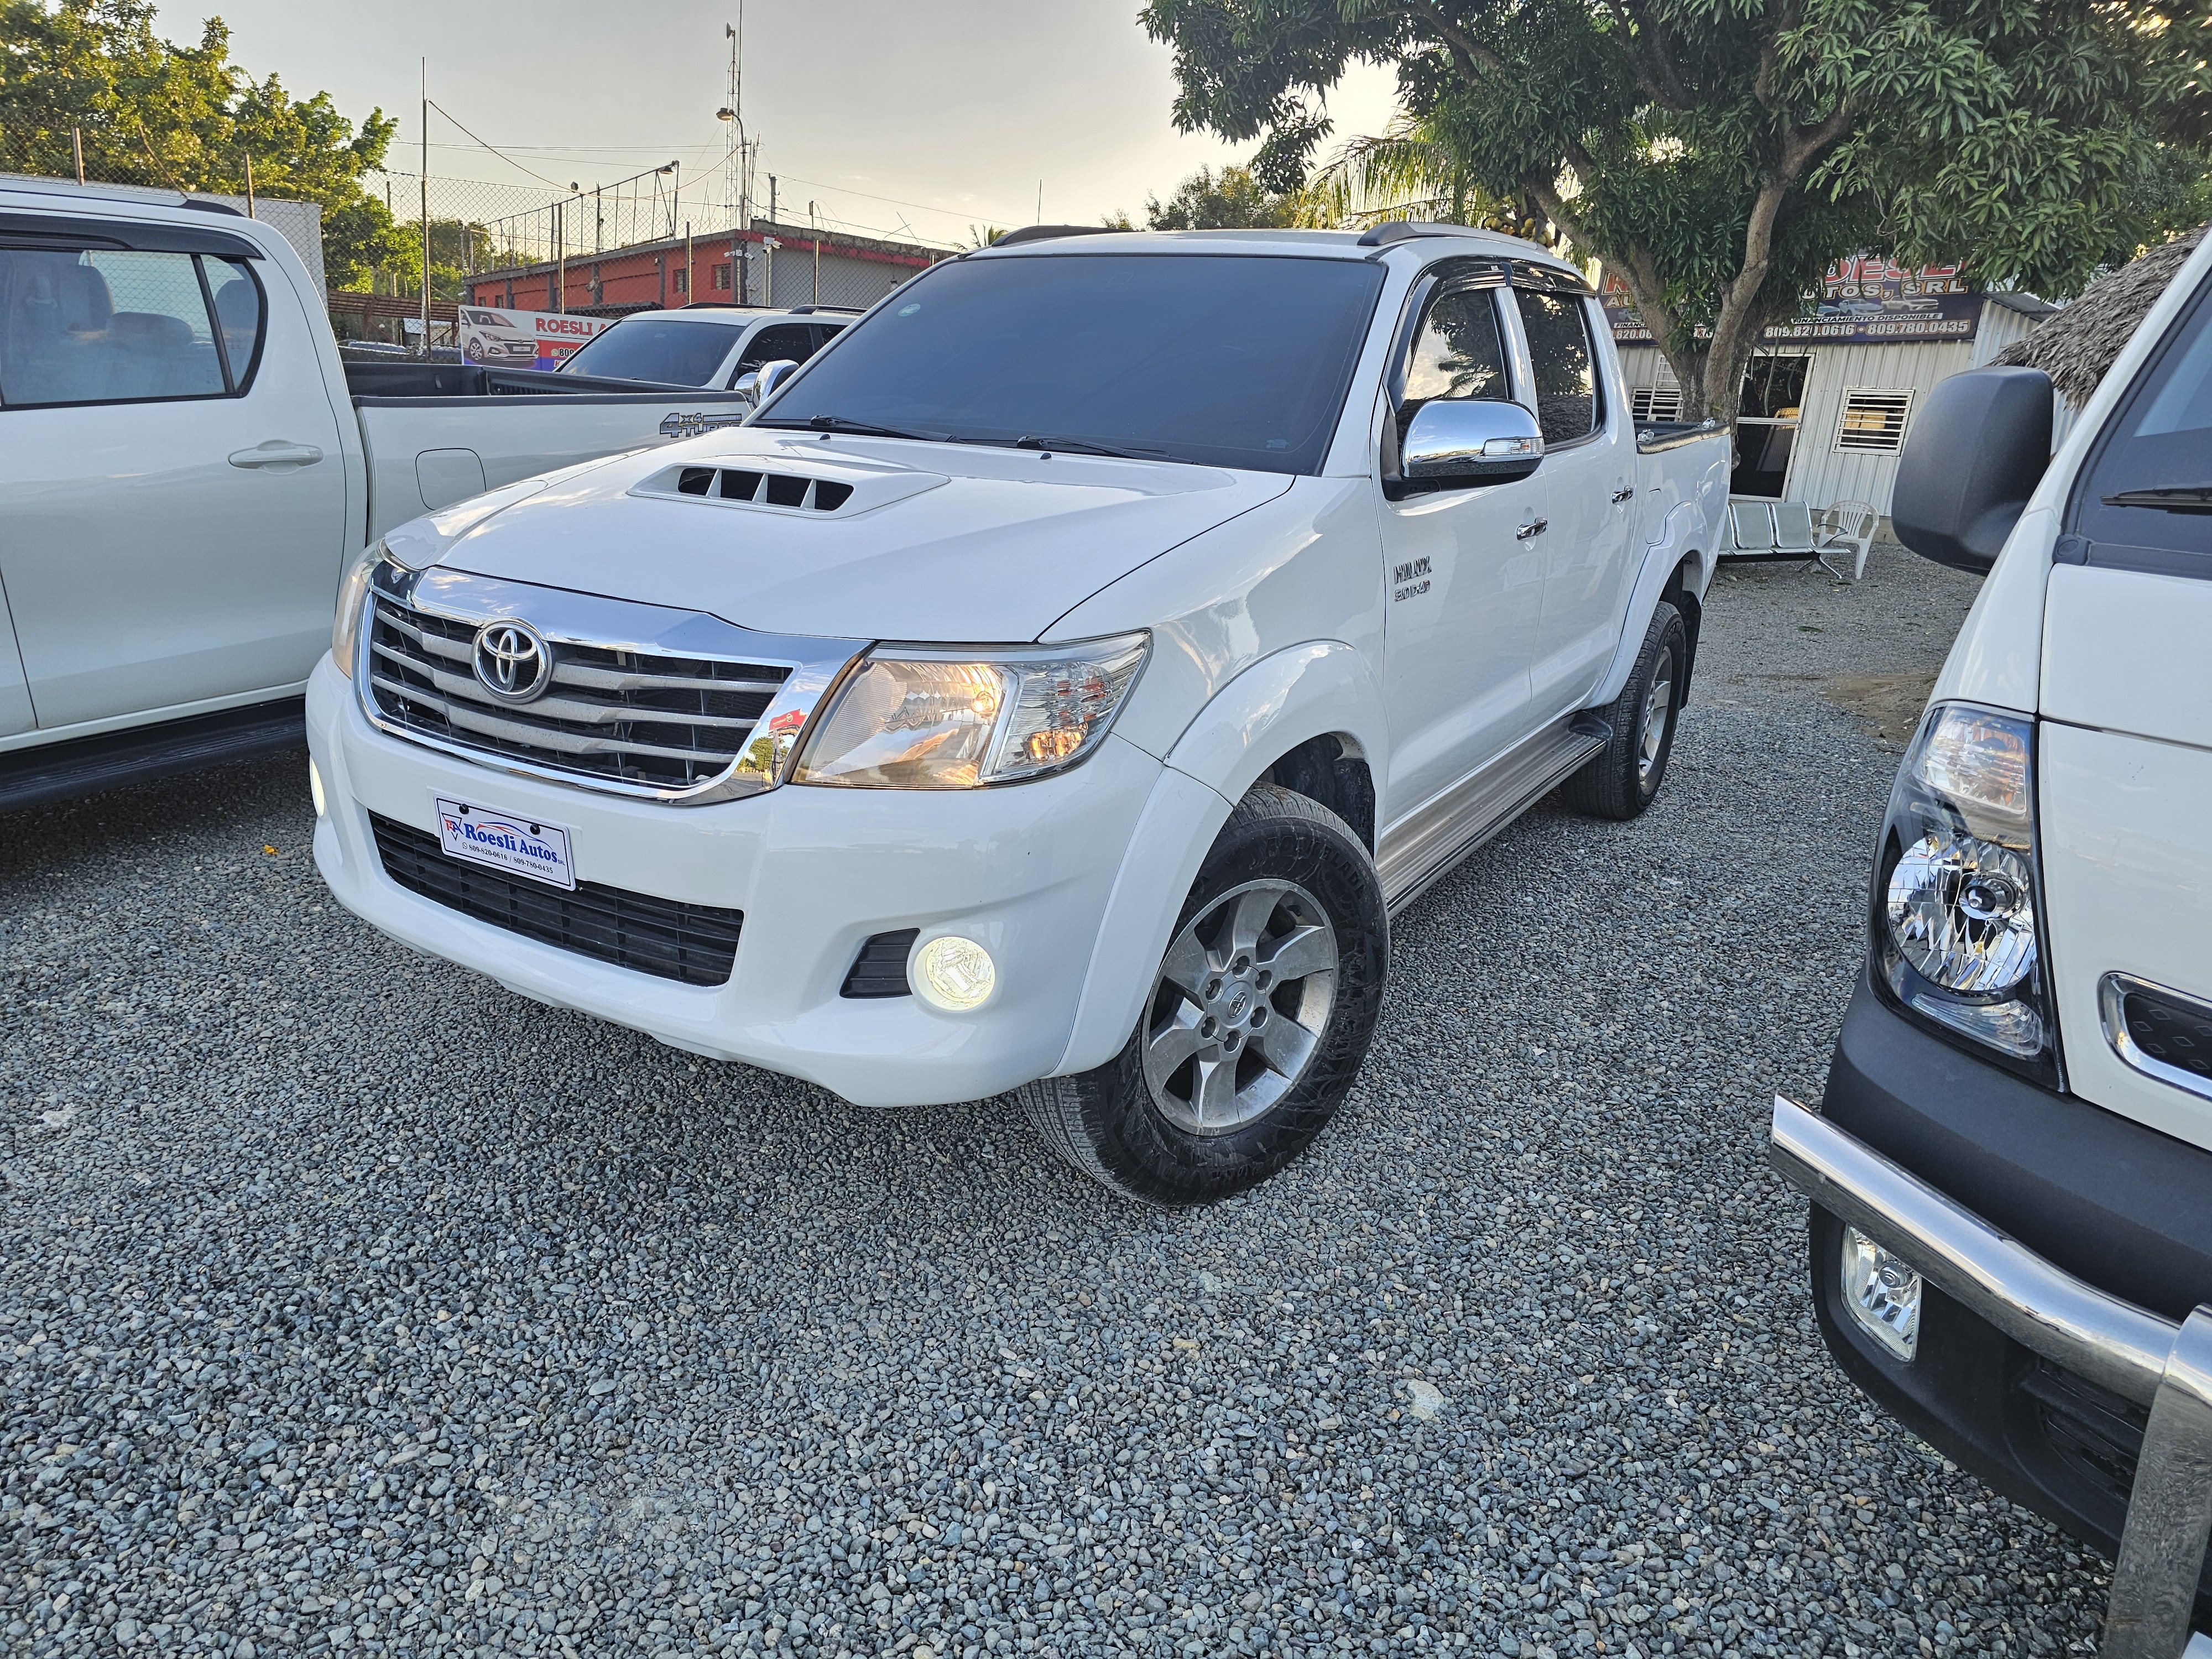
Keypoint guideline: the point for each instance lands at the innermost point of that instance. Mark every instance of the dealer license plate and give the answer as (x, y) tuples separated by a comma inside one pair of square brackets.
[(506, 841)]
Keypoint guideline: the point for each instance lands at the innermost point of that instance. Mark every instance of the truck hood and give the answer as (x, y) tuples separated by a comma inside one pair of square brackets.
[(863, 538)]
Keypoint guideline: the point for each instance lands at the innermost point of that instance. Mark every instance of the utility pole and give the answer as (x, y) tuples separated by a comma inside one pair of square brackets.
[(687, 278), (249, 182), (76, 142), (424, 181)]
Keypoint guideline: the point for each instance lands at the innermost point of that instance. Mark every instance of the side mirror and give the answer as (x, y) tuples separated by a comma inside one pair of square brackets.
[(747, 386), (1978, 447), (774, 375), (1466, 441)]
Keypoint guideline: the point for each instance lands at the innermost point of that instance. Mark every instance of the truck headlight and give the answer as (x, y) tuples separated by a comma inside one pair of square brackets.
[(919, 718), (352, 601), (1956, 938)]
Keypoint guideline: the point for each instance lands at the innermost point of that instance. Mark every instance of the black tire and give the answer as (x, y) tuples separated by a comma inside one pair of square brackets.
[(1109, 1123), (1624, 777)]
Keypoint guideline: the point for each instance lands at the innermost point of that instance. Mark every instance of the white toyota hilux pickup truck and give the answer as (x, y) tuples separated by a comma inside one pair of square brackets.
[(1054, 687), (2011, 1169), (187, 469)]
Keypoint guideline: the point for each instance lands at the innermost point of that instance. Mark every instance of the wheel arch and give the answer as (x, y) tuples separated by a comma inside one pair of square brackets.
[(1282, 715), (1676, 570)]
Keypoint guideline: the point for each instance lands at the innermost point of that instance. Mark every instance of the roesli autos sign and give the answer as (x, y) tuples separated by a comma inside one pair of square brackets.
[(1866, 299), (524, 339)]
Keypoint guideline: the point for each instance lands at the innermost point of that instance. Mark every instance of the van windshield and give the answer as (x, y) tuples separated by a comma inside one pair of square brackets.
[(655, 349), (1221, 360)]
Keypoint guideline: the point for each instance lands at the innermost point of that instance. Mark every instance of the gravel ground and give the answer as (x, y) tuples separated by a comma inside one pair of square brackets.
[(348, 1303)]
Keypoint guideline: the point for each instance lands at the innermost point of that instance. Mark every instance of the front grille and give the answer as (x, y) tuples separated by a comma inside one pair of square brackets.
[(694, 944), (2095, 1432), (664, 722)]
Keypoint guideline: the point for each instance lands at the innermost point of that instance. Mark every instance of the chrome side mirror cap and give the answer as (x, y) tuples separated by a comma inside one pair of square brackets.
[(747, 386), (1468, 442), (774, 375)]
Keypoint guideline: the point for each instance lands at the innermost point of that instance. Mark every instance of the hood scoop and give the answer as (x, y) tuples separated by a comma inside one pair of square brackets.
[(767, 485)]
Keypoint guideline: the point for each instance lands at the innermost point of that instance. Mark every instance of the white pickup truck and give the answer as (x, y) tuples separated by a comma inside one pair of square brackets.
[(1054, 689), (187, 469), (2011, 1169)]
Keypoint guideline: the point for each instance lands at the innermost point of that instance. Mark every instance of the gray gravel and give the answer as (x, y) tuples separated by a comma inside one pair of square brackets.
[(351, 1305)]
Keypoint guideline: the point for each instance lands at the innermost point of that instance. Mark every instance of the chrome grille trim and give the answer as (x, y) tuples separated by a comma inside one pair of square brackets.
[(654, 703)]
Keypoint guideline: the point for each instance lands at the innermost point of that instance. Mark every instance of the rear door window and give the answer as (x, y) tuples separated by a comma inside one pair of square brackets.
[(2145, 501), (107, 325), (778, 341), (1565, 363)]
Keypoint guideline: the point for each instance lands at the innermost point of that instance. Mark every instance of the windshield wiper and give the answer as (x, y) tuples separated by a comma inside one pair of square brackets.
[(859, 428), (1077, 447), (2169, 498)]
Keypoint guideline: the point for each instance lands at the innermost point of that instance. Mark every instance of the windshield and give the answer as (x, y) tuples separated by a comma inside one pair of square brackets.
[(2146, 493), (656, 349), (1223, 360)]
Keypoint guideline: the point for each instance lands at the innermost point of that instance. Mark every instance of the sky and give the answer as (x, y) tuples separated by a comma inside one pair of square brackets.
[(900, 118)]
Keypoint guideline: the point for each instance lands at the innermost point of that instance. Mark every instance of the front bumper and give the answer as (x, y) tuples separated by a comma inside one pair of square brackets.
[(1026, 870), (2062, 1356)]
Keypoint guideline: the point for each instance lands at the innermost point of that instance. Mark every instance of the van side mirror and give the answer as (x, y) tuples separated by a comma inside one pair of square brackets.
[(1457, 443), (1978, 447)]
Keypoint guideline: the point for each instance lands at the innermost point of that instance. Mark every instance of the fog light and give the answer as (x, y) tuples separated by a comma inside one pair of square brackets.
[(315, 786), (1882, 1294), (954, 974)]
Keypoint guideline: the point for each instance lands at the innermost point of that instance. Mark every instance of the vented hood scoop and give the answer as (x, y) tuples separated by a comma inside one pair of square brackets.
[(764, 484)]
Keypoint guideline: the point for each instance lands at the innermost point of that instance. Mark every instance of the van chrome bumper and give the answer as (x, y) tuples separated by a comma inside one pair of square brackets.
[(2132, 1350)]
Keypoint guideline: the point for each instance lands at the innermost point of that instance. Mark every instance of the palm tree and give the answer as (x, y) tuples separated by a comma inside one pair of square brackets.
[(1412, 171)]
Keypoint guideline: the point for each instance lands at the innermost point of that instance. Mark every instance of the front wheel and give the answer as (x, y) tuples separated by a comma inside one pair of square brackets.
[(1622, 778), (1260, 1015)]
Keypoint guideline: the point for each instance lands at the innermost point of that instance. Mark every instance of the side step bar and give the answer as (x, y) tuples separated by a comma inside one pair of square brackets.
[(1428, 845), (81, 766)]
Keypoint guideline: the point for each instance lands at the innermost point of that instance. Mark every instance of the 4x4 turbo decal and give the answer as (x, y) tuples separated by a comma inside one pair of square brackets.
[(691, 424)]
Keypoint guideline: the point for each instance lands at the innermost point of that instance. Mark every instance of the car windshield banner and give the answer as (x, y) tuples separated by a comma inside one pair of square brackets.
[(524, 339), (1867, 299)]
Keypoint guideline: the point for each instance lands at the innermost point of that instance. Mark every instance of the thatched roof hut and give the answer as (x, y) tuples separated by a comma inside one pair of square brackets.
[(2080, 343)]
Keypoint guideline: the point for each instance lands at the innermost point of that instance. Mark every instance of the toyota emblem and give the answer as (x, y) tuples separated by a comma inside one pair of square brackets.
[(513, 661)]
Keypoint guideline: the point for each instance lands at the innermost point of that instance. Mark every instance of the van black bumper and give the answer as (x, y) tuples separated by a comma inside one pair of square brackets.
[(2061, 1249)]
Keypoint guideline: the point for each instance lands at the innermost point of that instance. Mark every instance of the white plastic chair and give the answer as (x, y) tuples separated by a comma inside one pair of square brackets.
[(1847, 526)]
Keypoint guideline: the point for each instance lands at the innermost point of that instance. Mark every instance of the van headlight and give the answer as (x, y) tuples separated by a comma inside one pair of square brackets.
[(1957, 939), (919, 718)]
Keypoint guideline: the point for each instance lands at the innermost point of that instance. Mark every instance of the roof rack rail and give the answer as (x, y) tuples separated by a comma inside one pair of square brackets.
[(1048, 233), (808, 311), (1400, 230)]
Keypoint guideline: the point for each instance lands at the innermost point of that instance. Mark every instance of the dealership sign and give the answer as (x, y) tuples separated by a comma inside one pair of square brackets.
[(523, 339), (1867, 299)]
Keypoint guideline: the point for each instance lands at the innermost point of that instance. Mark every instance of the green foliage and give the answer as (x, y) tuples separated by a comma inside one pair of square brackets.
[(1233, 199), (1717, 153), (156, 113)]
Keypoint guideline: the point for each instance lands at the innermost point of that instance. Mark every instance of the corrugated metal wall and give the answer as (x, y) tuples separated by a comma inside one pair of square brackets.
[(1819, 473), (845, 281)]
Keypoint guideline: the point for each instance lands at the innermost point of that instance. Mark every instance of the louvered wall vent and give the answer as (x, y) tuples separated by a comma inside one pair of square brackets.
[(766, 485)]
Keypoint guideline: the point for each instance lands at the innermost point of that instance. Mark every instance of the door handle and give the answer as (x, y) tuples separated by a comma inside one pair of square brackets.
[(1534, 527), (1624, 492), (276, 452)]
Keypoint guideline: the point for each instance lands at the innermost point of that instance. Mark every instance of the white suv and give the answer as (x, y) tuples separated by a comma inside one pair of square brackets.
[(703, 344)]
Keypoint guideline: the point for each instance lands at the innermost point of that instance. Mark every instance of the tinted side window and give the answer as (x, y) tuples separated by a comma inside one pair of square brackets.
[(2149, 486), (791, 340), (1458, 354), (1565, 366), (111, 326)]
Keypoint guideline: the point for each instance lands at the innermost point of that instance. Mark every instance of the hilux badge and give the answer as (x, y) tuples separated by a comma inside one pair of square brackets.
[(513, 661)]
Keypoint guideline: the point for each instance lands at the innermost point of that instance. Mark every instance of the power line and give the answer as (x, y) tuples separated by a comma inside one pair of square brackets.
[(509, 160)]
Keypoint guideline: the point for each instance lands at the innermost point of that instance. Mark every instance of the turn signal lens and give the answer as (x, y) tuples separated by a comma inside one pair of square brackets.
[(315, 788), (954, 974)]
